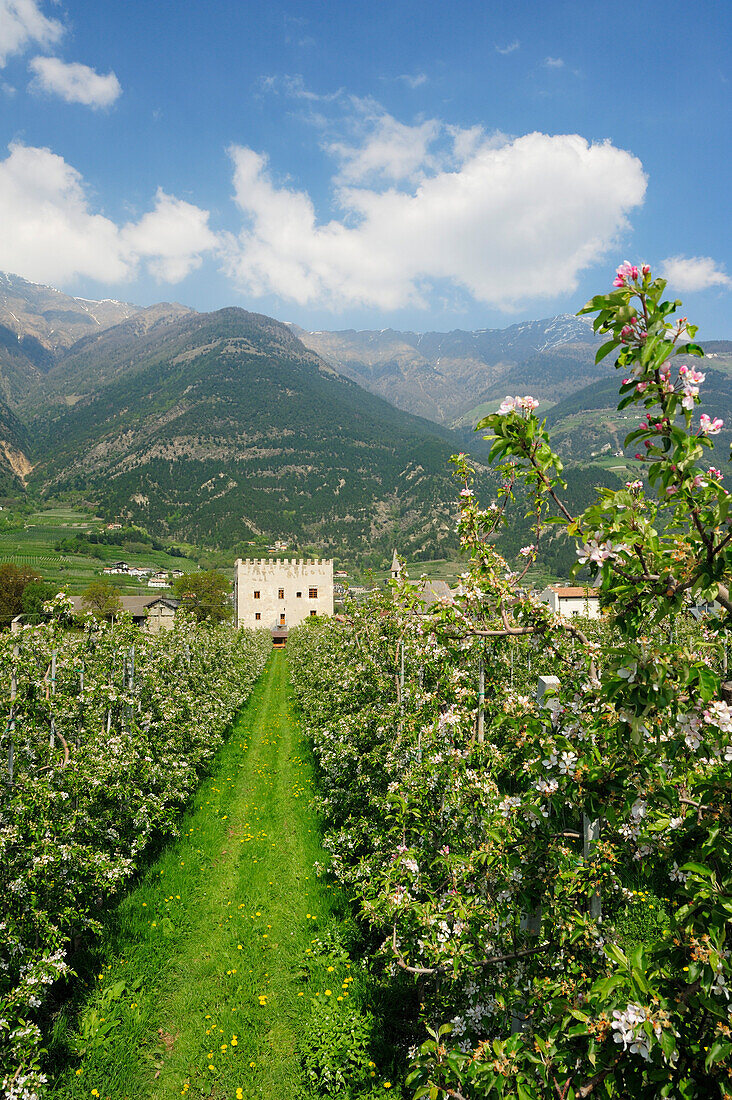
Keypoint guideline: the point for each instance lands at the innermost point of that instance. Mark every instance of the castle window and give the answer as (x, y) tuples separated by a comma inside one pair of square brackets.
[(256, 593), (282, 619), (313, 613), (313, 593), (299, 594), (282, 594), (257, 615)]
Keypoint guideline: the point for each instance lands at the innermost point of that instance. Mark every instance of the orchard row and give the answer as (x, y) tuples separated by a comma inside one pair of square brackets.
[(107, 734)]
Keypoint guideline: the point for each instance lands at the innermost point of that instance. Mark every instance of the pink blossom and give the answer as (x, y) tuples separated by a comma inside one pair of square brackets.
[(634, 485), (641, 387), (699, 482), (710, 427), (646, 269), (690, 392), (715, 473), (517, 404), (508, 405), (626, 273)]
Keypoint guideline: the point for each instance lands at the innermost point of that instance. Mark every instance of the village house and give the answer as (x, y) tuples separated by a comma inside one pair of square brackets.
[(278, 595), (160, 580), (570, 601), (151, 613), (117, 567)]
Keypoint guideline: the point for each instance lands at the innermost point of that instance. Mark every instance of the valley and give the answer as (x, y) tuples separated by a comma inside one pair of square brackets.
[(224, 431)]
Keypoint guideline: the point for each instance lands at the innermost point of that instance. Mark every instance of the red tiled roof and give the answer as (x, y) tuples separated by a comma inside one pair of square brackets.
[(574, 593)]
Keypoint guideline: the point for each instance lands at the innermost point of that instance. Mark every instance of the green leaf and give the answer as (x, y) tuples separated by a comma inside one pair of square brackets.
[(605, 349), (698, 869), (717, 1051), (613, 952)]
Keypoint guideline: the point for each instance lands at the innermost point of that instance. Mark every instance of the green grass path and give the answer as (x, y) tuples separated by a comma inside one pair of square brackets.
[(199, 991)]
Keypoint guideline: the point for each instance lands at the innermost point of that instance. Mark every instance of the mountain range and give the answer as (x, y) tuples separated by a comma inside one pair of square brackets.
[(451, 377), (229, 427)]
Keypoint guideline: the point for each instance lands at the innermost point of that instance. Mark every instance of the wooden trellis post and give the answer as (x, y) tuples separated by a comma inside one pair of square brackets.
[(481, 700), (590, 826), (81, 700), (590, 837), (52, 739), (11, 722)]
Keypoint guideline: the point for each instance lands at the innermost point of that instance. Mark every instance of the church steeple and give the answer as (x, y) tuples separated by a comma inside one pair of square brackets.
[(396, 568)]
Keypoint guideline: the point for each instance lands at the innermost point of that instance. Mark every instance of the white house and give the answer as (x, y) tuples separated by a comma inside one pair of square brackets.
[(160, 580), (277, 595), (572, 601)]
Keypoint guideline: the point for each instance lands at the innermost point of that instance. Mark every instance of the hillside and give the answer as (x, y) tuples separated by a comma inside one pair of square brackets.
[(218, 427), (14, 449), (587, 424), (445, 376), (53, 320)]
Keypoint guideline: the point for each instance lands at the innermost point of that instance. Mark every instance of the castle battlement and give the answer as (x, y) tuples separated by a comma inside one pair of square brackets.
[(279, 593)]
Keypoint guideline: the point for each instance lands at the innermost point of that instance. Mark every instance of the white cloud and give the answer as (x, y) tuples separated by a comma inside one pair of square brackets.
[(22, 23), (513, 221), (50, 234), (694, 273), (509, 48), (74, 82), (390, 151), (413, 81), (174, 236), (554, 62)]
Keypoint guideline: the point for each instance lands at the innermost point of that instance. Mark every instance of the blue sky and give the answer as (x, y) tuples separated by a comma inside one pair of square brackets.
[(369, 165)]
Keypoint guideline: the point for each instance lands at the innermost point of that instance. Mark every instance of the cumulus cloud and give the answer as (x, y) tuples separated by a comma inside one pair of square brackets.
[(22, 23), (173, 236), (508, 221), (74, 82), (391, 150), (50, 233), (554, 62), (694, 273)]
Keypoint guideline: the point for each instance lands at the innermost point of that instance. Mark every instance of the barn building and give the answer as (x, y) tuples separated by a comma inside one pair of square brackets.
[(277, 595)]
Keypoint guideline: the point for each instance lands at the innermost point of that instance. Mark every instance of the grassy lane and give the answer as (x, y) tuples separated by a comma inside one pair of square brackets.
[(198, 991)]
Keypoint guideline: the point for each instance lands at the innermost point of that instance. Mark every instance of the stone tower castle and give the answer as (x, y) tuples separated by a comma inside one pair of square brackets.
[(278, 594)]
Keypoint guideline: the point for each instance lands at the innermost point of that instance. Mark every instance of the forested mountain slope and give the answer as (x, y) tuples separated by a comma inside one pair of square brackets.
[(215, 427)]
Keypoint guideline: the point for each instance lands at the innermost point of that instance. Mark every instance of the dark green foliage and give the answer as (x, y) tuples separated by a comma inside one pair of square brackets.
[(220, 427), (35, 595), (205, 594), (103, 599), (13, 582)]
